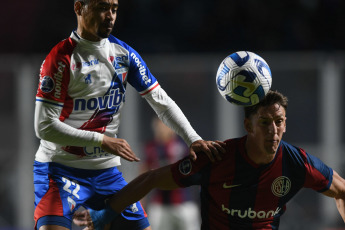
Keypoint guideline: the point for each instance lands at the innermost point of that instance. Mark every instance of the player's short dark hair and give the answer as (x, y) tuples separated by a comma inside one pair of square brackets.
[(271, 98)]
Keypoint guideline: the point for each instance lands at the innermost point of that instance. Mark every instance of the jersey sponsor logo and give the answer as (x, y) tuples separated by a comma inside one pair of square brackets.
[(230, 186), (142, 69), (281, 186), (95, 151), (47, 84), (90, 63), (185, 167), (109, 101), (249, 213), (79, 65), (58, 79)]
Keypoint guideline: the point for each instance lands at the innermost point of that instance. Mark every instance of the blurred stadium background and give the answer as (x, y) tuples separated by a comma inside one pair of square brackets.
[(183, 42)]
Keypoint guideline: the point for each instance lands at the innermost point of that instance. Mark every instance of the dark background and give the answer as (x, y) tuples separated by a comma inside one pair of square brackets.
[(185, 25)]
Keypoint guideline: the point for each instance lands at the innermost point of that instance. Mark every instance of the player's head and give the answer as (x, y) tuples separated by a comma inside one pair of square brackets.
[(96, 18), (265, 122), (272, 97)]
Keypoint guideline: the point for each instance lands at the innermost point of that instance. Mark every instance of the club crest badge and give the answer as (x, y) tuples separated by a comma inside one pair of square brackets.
[(185, 167), (281, 186), (47, 84)]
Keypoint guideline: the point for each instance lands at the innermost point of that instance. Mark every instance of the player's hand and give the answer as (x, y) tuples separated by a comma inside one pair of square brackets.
[(213, 149), (83, 219), (119, 147)]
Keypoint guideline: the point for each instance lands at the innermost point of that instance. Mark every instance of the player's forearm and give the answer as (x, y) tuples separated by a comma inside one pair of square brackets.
[(138, 188), (171, 115), (48, 127), (341, 207)]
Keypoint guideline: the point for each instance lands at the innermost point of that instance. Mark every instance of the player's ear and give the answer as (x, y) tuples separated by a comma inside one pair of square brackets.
[(78, 8), (248, 125)]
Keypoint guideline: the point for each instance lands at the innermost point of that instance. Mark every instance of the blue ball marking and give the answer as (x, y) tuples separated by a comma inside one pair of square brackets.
[(220, 77), (260, 65), (238, 60)]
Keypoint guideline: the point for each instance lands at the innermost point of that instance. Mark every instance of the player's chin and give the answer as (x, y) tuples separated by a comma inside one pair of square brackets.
[(272, 149), (105, 33)]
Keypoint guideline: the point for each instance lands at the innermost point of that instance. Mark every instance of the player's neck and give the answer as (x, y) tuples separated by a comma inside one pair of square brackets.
[(257, 155)]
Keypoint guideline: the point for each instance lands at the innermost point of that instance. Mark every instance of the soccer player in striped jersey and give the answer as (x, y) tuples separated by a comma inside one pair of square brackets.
[(79, 99), (258, 175)]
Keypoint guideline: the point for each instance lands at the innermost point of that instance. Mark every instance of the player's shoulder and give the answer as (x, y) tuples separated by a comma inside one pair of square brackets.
[(287, 147), (293, 153), (62, 51), (114, 40), (64, 47), (235, 143)]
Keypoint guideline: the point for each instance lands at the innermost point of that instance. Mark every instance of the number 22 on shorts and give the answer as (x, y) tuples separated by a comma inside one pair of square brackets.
[(69, 187)]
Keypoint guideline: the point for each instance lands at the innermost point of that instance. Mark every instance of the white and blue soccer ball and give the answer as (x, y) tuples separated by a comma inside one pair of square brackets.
[(244, 78)]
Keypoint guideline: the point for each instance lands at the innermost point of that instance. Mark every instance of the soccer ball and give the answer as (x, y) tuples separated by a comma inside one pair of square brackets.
[(244, 78)]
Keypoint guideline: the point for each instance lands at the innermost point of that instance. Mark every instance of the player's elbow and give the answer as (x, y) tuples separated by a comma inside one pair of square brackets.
[(42, 129)]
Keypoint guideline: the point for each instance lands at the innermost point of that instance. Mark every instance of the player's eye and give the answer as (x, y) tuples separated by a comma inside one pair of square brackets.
[(279, 121), (264, 122)]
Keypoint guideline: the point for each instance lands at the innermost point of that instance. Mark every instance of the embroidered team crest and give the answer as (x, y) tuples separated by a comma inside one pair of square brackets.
[(185, 167), (47, 84), (121, 72), (281, 186), (134, 208)]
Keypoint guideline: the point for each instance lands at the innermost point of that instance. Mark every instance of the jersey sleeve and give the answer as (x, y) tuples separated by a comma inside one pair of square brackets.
[(187, 172), (318, 175), (171, 115), (140, 76), (55, 74)]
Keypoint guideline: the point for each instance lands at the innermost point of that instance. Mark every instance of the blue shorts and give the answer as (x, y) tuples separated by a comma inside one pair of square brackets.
[(61, 190)]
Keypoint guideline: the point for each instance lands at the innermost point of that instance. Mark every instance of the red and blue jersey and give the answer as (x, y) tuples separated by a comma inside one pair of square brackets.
[(236, 193)]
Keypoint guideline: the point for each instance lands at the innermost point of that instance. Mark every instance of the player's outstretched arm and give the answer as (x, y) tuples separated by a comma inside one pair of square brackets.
[(160, 178), (337, 191), (119, 147), (95, 220)]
